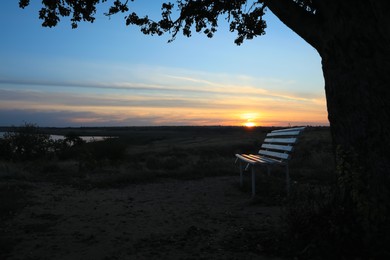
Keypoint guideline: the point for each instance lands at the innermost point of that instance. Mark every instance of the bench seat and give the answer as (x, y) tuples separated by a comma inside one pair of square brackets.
[(258, 159)]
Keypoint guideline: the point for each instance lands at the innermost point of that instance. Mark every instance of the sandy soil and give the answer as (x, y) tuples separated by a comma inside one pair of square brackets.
[(174, 219)]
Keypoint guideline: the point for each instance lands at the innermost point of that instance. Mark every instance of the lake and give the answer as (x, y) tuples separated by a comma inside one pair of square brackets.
[(85, 138)]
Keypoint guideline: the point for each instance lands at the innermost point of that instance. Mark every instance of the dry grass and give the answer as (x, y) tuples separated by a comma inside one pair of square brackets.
[(149, 154), (144, 155)]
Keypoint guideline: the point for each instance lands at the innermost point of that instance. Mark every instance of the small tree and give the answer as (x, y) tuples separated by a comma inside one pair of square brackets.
[(27, 143), (72, 139), (68, 148)]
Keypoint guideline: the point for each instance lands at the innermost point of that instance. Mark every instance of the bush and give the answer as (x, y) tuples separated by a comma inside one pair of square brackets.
[(68, 148), (28, 143)]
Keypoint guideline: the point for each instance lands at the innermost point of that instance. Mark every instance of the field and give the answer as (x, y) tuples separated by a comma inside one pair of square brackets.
[(153, 192)]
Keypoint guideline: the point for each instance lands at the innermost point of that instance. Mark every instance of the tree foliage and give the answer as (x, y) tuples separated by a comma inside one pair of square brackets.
[(245, 17)]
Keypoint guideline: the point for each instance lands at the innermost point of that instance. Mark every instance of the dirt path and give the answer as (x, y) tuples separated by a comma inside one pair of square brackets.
[(197, 219)]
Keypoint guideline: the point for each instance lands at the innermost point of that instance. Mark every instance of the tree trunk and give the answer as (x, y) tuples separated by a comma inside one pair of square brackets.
[(353, 39), (356, 67)]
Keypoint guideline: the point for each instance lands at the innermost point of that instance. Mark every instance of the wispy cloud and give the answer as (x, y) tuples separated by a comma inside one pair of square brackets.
[(166, 96), (211, 88)]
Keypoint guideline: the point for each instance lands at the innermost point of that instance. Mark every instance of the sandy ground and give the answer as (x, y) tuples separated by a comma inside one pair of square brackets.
[(173, 219)]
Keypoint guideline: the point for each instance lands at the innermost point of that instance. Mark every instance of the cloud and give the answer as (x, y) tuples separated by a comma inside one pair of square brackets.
[(69, 118), (157, 96), (177, 87), (84, 118)]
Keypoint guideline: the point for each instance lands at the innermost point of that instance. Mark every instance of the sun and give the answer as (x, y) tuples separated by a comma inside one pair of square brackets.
[(249, 119), (249, 124)]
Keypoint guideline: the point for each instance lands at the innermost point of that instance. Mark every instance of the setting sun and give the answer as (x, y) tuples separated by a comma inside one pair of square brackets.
[(249, 124), (250, 119)]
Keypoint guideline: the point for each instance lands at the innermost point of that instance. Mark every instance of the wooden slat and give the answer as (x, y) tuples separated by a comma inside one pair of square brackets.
[(241, 156), (286, 148), (270, 160), (281, 140), (251, 158), (289, 129), (257, 159), (245, 158), (284, 133), (274, 154)]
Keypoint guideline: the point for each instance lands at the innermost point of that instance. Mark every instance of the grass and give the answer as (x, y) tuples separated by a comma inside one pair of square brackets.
[(140, 155), (148, 154)]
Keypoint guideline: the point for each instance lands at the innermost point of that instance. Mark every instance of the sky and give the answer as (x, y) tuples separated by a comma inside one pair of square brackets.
[(109, 74)]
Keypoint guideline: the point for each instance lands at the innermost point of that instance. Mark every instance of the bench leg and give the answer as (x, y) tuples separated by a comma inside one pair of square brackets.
[(253, 182), (241, 175), (287, 180)]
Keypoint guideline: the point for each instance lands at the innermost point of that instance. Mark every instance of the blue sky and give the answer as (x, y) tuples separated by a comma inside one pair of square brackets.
[(106, 74)]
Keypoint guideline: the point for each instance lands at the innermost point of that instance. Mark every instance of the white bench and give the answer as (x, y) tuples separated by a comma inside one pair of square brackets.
[(275, 151)]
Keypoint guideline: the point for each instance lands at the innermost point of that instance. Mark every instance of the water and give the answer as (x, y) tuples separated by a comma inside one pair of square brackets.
[(85, 138)]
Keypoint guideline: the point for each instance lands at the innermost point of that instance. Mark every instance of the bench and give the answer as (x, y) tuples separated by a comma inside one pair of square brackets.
[(275, 151)]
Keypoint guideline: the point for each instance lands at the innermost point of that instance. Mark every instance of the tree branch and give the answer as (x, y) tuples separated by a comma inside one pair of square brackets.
[(305, 24)]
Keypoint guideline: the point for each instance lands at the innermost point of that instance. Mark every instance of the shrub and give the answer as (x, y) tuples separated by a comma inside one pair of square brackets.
[(28, 143), (68, 148)]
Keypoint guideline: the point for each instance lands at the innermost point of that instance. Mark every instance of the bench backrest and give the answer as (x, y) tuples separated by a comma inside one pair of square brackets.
[(279, 144)]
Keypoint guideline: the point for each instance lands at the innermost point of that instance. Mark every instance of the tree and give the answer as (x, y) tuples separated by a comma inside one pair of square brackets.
[(353, 40)]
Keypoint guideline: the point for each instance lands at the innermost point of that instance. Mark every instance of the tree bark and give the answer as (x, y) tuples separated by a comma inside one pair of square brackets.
[(357, 77), (356, 66), (355, 50)]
